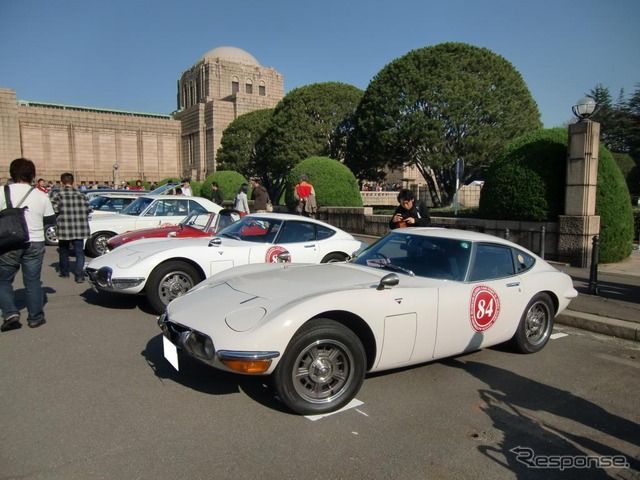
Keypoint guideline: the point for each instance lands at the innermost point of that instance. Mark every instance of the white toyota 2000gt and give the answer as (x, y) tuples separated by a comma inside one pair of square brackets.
[(414, 296), (164, 269)]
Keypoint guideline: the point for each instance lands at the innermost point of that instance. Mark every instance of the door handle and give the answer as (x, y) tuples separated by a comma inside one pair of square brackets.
[(513, 284)]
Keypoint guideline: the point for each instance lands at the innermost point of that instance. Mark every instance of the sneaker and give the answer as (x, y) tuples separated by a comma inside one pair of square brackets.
[(63, 275), (79, 279), (37, 324), (10, 322)]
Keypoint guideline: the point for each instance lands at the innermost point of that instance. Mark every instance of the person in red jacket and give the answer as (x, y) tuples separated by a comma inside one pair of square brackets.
[(306, 196)]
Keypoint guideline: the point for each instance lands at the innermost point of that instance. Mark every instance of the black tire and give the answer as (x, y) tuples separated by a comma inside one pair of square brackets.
[(168, 281), (51, 235), (97, 243), (322, 369), (334, 257), (536, 325)]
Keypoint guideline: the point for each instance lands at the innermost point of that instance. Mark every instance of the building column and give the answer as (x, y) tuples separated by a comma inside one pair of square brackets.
[(579, 224)]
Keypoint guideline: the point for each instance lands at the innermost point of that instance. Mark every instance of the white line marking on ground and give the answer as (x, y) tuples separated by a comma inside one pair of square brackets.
[(352, 404), (556, 336)]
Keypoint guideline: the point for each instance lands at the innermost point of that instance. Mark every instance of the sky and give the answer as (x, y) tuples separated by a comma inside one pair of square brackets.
[(129, 54)]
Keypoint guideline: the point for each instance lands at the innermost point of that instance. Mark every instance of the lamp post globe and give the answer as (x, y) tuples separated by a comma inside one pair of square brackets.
[(585, 107)]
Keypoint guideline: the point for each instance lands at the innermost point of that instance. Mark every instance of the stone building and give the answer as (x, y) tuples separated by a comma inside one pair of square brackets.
[(100, 145), (223, 84)]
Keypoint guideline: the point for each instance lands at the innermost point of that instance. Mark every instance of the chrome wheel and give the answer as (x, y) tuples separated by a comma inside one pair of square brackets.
[(51, 235), (174, 285), (169, 281), (536, 323), (322, 368), (322, 371)]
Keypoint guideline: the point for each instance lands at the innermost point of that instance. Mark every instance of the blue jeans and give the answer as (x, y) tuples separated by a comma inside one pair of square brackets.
[(64, 249), (30, 259)]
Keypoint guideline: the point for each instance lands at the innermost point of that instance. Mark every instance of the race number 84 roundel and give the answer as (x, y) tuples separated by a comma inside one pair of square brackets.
[(484, 308)]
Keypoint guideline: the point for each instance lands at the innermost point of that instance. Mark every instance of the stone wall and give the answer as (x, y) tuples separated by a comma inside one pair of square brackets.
[(361, 221)]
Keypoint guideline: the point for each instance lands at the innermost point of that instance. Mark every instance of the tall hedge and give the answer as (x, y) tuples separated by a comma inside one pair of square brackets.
[(333, 182), (527, 182), (614, 207)]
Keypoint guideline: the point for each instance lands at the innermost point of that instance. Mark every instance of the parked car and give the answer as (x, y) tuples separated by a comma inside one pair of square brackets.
[(197, 224), (112, 202), (146, 211), (414, 296), (164, 269)]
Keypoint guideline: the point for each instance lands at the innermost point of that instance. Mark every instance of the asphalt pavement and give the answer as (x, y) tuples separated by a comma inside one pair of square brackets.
[(608, 302)]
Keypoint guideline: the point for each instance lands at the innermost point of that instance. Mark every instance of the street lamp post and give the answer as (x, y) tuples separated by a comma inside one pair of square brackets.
[(116, 176), (580, 224)]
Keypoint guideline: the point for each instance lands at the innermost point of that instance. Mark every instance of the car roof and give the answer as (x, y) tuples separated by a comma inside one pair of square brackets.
[(118, 194), (456, 234)]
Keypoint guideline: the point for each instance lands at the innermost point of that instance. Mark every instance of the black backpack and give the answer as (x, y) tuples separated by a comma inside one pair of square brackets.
[(13, 224)]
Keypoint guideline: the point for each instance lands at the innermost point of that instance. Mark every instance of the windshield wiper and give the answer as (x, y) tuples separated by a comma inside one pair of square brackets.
[(230, 235), (387, 264)]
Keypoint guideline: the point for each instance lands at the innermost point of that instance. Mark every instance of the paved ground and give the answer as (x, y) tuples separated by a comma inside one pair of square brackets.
[(615, 310), (90, 396)]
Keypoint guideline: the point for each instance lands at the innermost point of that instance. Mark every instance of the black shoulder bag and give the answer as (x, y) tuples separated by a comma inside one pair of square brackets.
[(13, 224)]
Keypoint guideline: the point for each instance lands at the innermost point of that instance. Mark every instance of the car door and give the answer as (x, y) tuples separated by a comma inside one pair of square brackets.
[(483, 310), (299, 239)]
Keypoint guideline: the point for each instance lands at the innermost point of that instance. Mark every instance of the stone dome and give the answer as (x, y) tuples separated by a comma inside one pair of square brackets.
[(232, 54)]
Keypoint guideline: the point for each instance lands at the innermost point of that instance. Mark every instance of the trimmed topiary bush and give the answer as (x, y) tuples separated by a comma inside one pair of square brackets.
[(229, 183), (614, 208), (164, 181), (527, 182), (335, 185)]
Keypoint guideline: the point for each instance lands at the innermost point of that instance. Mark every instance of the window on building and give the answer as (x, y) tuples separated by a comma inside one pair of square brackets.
[(248, 87), (262, 89), (235, 85)]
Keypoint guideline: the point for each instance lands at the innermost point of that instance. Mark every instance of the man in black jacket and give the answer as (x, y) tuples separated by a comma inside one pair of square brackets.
[(409, 213)]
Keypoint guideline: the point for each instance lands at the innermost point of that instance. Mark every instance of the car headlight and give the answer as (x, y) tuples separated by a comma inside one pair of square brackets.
[(103, 277)]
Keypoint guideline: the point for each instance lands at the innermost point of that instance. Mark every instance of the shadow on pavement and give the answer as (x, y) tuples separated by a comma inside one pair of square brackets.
[(513, 403), (203, 378)]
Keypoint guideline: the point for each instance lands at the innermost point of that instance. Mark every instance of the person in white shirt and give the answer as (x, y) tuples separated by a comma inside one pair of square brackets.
[(186, 187), (31, 256)]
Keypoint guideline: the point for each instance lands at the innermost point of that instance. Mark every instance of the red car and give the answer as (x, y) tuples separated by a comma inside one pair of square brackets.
[(197, 224)]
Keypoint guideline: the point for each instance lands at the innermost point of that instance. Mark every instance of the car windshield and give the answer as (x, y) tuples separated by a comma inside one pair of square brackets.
[(203, 221), (250, 229), (138, 206), (164, 189), (430, 257)]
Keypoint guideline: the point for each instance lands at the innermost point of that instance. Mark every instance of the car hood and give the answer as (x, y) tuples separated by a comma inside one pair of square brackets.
[(267, 287), (148, 232)]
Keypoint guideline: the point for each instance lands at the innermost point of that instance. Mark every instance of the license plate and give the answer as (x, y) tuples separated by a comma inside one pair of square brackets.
[(170, 352)]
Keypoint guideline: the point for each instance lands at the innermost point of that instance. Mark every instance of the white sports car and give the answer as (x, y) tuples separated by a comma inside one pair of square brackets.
[(147, 211), (414, 296), (167, 268)]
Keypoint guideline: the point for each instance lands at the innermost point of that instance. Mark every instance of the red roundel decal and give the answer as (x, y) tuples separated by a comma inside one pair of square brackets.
[(273, 252), (484, 308)]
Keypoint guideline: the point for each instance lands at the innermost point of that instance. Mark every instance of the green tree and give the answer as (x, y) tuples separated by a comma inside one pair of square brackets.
[(309, 121), (240, 149), (435, 105)]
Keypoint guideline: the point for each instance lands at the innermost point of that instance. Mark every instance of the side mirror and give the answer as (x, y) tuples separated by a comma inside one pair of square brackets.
[(215, 242), (284, 257), (388, 281)]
